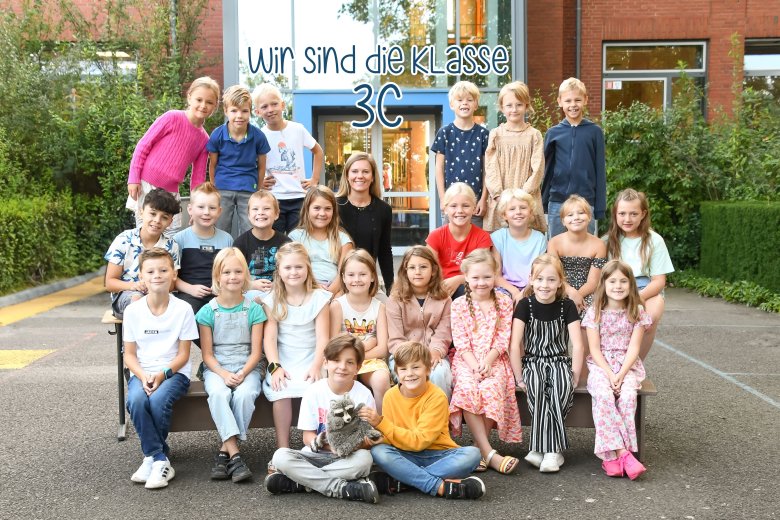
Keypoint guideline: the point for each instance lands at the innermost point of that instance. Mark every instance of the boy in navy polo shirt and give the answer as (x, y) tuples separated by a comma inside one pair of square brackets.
[(460, 147), (237, 159)]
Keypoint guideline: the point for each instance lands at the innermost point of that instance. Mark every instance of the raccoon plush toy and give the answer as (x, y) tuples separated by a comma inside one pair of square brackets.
[(344, 430)]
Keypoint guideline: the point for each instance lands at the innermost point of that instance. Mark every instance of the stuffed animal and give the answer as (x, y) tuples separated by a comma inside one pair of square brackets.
[(344, 430)]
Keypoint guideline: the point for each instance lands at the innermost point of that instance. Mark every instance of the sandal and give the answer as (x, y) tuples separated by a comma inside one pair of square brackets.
[(481, 467), (508, 464)]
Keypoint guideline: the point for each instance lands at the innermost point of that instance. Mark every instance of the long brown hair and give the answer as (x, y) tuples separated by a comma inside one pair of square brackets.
[(334, 226), (344, 187), (542, 261), (633, 301), (279, 290), (402, 288), (480, 256), (615, 234)]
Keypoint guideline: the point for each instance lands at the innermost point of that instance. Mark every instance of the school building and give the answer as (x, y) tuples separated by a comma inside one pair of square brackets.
[(624, 50)]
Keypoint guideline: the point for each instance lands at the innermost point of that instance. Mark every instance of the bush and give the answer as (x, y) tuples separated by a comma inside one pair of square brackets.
[(744, 292), (740, 241)]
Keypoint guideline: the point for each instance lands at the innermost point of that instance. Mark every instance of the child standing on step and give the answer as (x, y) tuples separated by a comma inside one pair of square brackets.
[(544, 322), (231, 329), (615, 326)]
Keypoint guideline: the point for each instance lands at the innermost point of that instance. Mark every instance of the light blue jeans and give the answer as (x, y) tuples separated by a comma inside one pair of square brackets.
[(441, 376), (426, 469), (232, 408), (151, 414), (234, 203), (554, 224), (323, 472)]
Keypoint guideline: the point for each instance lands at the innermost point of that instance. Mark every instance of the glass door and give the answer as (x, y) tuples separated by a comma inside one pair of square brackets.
[(406, 169)]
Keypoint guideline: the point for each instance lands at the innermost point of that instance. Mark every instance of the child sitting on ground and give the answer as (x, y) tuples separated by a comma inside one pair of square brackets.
[(157, 333), (419, 451), (122, 272), (319, 468)]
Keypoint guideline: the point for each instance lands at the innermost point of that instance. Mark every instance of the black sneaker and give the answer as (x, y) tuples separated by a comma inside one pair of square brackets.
[(385, 484), (219, 471), (278, 484), (237, 469), (470, 488), (360, 490)]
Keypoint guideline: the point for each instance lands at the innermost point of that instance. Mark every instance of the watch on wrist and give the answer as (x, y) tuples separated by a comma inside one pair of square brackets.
[(273, 367), (168, 373)]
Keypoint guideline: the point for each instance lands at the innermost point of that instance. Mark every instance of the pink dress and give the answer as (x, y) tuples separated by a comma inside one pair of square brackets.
[(614, 417), (493, 396)]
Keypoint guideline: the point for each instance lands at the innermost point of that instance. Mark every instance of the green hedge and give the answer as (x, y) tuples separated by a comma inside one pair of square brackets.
[(39, 241), (741, 241)]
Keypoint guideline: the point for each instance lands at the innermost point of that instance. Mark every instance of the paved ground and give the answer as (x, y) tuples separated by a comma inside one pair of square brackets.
[(712, 435)]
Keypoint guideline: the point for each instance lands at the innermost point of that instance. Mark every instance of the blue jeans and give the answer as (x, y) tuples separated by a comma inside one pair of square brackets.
[(235, 206), (554, 224), (426, 469), (289, 214), (151, 414)]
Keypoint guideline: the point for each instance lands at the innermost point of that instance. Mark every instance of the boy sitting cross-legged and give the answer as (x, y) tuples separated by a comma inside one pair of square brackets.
[(158, 329), (419, 450), (322, 470)]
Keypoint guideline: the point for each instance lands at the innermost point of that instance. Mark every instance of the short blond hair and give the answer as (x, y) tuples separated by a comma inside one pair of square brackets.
[(236, 96), (458, 188), (265, 194), (464, 87), (219, 263), (576, 201), (265, 89), (520, 91), (572, 84), (410, 351), (514, 193)]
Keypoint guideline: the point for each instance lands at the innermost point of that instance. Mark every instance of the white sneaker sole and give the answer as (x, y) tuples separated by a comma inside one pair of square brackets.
[(157, 484), (534, 459)]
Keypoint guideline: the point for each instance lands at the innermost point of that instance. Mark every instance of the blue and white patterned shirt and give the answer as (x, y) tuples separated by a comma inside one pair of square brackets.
[(464, 154)]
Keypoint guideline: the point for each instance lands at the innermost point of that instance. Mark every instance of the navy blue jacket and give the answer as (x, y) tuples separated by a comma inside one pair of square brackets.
[(575, 164)]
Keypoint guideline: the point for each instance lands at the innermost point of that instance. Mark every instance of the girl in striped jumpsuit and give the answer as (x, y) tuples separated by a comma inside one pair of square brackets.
[(544, 321)]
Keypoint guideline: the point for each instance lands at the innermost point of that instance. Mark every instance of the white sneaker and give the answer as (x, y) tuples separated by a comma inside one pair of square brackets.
[(161, 473), (551, 462), (534, 458), (141, 475)]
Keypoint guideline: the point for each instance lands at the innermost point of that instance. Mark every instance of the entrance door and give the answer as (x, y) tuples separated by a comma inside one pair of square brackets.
[(406, 169)]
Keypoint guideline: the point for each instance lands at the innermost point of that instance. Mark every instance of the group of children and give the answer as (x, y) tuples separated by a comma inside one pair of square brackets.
[(471, 316)]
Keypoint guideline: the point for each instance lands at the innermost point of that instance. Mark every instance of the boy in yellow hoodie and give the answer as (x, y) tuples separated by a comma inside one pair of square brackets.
[(419, 451)]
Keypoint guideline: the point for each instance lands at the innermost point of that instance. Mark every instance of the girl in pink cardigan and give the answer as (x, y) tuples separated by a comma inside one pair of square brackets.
[(175, 141), (419, 310)]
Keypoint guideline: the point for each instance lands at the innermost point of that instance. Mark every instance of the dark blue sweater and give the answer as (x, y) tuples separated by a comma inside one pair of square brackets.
[(575, 164)]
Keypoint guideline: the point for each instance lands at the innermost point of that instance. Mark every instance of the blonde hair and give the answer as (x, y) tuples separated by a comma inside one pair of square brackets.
[(219, 262), (480, 256), (279, 290), (463, 87), (205, 82), (520, 91), (515, 193), (265, 194), (333, 228), (402, 288), (362, 256), (205, 188), (265, 89), (572, 84), (236, 96), (575, 201), (459, 188), (345, 189), (632, 302), (615, 234), (542, 261), (410, 351)]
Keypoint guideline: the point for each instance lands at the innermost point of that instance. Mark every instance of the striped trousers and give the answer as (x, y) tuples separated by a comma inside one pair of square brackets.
[(550, 392)]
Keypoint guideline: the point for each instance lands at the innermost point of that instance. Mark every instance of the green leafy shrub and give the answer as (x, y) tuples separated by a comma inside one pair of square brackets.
[(740, 241), (743, 292)]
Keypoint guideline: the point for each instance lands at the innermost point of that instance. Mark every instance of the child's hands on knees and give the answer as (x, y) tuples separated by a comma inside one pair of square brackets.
[(435, 358), (278, 379), (152, 382), (314, 373), (262, 285), (138, 286)]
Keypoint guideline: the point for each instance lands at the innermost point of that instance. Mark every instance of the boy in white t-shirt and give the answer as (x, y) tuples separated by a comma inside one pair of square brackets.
[(284, 172), (322, 470), (158, 330)]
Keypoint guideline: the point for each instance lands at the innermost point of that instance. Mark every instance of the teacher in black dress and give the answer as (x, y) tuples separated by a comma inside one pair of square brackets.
[(364, 215)]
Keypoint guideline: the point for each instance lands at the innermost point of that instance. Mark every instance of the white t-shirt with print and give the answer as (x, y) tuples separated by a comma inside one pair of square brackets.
[(285, 160), (315, 403)]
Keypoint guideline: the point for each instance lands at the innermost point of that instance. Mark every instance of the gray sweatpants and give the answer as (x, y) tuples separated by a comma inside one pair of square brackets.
[(323, 472)]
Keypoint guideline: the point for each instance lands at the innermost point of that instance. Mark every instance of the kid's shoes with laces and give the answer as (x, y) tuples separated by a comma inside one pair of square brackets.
[(237, 469), (385, 484), (551, 462), (362, 490), (219, 470), (141, 475), (278, 484), (161, 473), (470, 488)]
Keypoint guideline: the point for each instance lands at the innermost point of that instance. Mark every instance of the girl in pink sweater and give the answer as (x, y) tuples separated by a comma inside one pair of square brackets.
[(175, 141)]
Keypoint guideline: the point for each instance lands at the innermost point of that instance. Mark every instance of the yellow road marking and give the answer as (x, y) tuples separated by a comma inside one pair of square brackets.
[(20, 311), (20, 358)]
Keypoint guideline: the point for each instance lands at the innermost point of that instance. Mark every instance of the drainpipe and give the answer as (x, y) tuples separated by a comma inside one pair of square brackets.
[(578, 36)]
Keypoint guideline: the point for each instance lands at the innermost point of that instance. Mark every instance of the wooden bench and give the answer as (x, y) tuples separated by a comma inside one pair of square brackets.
[(581, 413)]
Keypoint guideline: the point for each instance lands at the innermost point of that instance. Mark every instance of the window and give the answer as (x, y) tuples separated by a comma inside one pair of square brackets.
[(762, 66), (649, 72)]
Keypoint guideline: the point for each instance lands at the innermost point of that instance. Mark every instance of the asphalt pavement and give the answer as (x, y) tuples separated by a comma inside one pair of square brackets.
[(712, 435)]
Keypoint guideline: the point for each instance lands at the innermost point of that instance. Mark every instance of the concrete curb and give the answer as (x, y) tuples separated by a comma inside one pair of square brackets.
[(43, 290)]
